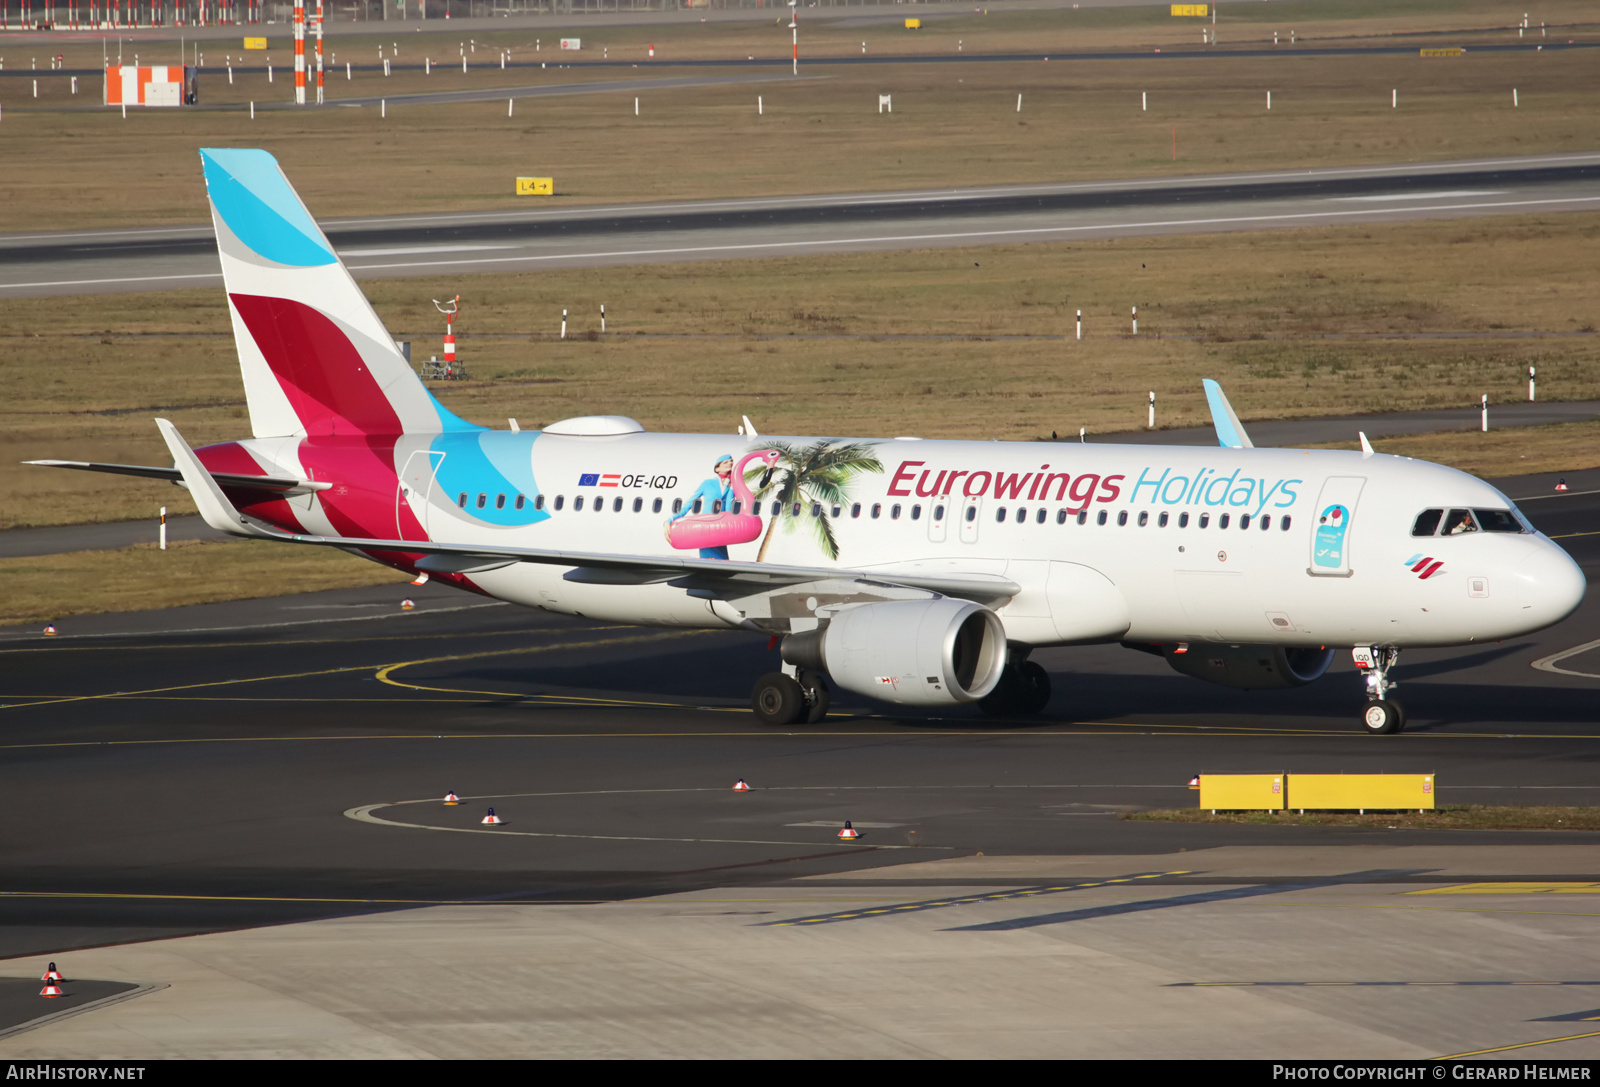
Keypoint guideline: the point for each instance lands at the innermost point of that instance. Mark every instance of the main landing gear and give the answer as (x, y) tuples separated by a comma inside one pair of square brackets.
[(1383, 715), (782, 698), (1023, 690)]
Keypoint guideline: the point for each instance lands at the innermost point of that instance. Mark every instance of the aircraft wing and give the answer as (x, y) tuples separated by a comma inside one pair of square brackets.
[(287, 486), (596, 567)]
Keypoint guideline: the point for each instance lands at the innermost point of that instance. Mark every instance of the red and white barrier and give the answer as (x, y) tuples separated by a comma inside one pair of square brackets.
[(127, 85)]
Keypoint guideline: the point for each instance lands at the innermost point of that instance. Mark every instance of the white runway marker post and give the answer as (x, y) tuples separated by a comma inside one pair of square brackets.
[(1019, 103), (163, 528), (252, 111), (1513, 98), (1269, 100), (1530, 384), (1083, 434), (602, 317), (760, 109), (1144, 101), (1394, 98), (1485, 409), (636, 107), (386, 67), (1135, 320), (563, 324), (1080, 324), (383, 107), (509, 102), (347, 71), (1151, 425)]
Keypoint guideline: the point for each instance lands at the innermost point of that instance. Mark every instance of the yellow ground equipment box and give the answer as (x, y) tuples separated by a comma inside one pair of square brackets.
[(913, 24), (536, 186), (1242, 792), (1384, 792), (1191, 9), (255, 43), (1442, 52)]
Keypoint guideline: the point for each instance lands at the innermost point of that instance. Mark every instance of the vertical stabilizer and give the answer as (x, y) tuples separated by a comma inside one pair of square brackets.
[(315, 357)]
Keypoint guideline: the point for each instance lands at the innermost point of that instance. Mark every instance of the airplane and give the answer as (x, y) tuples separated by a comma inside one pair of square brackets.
[(918, 572)]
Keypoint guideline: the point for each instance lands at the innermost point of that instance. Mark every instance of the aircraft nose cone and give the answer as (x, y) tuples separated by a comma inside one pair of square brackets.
[(1550, 586)]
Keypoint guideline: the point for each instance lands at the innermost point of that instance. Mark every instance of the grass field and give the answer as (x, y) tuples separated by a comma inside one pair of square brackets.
[(48, 588), (957, 343), (952, 123)]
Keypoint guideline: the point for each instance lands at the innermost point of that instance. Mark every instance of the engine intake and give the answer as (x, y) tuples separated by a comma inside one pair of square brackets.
[(1250, 667), (913, 652)]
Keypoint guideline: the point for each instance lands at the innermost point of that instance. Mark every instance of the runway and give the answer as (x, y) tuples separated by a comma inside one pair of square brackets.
[(164, 258)]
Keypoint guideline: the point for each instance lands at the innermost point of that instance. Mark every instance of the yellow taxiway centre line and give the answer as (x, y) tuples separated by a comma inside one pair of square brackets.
[(1513, 888), (188, 686), (1519, 1045), (100, 644)]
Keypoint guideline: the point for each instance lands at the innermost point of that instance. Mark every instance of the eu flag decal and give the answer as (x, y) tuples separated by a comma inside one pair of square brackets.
[(589, 479)]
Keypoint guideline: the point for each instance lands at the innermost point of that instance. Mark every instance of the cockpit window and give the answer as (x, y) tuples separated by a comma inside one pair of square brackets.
[(1498, 521), (1427, 523), (1458, 522)]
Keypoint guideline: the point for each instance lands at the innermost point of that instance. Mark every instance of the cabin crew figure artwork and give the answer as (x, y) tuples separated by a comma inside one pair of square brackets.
[(724, 514)]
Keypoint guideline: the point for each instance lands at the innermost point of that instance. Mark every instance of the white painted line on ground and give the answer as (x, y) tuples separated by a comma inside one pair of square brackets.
[(419, 249), (1423, 195), (1552, 663)]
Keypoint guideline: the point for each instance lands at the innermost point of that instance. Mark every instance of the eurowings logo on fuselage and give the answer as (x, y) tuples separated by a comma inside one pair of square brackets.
[(1204, 488), (1425, 566)]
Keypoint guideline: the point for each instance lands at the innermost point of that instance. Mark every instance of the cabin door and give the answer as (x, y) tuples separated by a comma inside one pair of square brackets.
[(416, 491), (1333, 523)]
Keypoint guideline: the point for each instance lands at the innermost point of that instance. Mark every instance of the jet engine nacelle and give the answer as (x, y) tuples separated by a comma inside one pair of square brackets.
[(1251, 667), (914, 652)]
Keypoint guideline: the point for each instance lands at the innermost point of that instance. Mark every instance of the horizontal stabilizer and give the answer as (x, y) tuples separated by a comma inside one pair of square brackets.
[(288, 487), (214, 506), (1230, 432)]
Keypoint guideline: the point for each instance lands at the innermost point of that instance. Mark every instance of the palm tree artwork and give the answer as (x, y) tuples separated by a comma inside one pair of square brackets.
[(819, 473)]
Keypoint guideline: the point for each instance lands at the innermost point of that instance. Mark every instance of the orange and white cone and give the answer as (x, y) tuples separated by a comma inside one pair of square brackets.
[(451, 799), (849, 833), (52, 974), (741, 786), (1561, 484), (51, 989), (1194, 782), (50, 630), (407, 604), (492, 820)]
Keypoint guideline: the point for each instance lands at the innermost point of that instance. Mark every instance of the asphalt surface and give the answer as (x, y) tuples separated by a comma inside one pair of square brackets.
[(163, 258), (247, 764)]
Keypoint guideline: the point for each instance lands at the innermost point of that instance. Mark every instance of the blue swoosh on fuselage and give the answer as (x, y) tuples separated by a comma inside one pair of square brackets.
[(491, 463)]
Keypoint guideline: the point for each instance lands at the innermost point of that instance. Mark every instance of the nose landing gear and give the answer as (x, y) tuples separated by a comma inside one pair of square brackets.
[(1383, 716)]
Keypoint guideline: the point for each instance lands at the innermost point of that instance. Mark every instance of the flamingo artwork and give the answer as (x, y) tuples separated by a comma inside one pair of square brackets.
[(706, 530)]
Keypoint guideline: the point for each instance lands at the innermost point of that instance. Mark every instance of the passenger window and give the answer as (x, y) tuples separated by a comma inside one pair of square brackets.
[(1000, 516), (616, 505), (855, 509), (499, 501), (577, 503), (716, 507), (1497, 521), (521, 501), (1427, 523), (538, 501), (483, 500), (462, 501), (638, 505), (796, 511), (1162, 520), (1039, 517), (1205, 519), (972, 513), (816, 510), (1222, 522), (877, 508), (1144, 518), (655, 507), (1459, 522), (561, 500), (1183, 520), (1083, 517), (1266, 521), (836, 511), (1244, 520), (938, 512), (1100, 520), (916, 513), (1122, 517), (1285, 523), (677, 505), (699, 504), (1061, 517)]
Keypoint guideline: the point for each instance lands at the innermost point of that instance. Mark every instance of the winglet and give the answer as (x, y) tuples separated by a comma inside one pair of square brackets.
[(1366, 446), (1230, 432), (749, 427), (214, 506)]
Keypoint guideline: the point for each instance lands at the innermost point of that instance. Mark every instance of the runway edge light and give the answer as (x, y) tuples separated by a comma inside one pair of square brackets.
[(52, 974), (741, 786), (493, 820), (51, 989), (451, 799), (848, 833)]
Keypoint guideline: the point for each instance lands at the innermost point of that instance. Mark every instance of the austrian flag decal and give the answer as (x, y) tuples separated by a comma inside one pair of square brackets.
[(1425, 566)]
